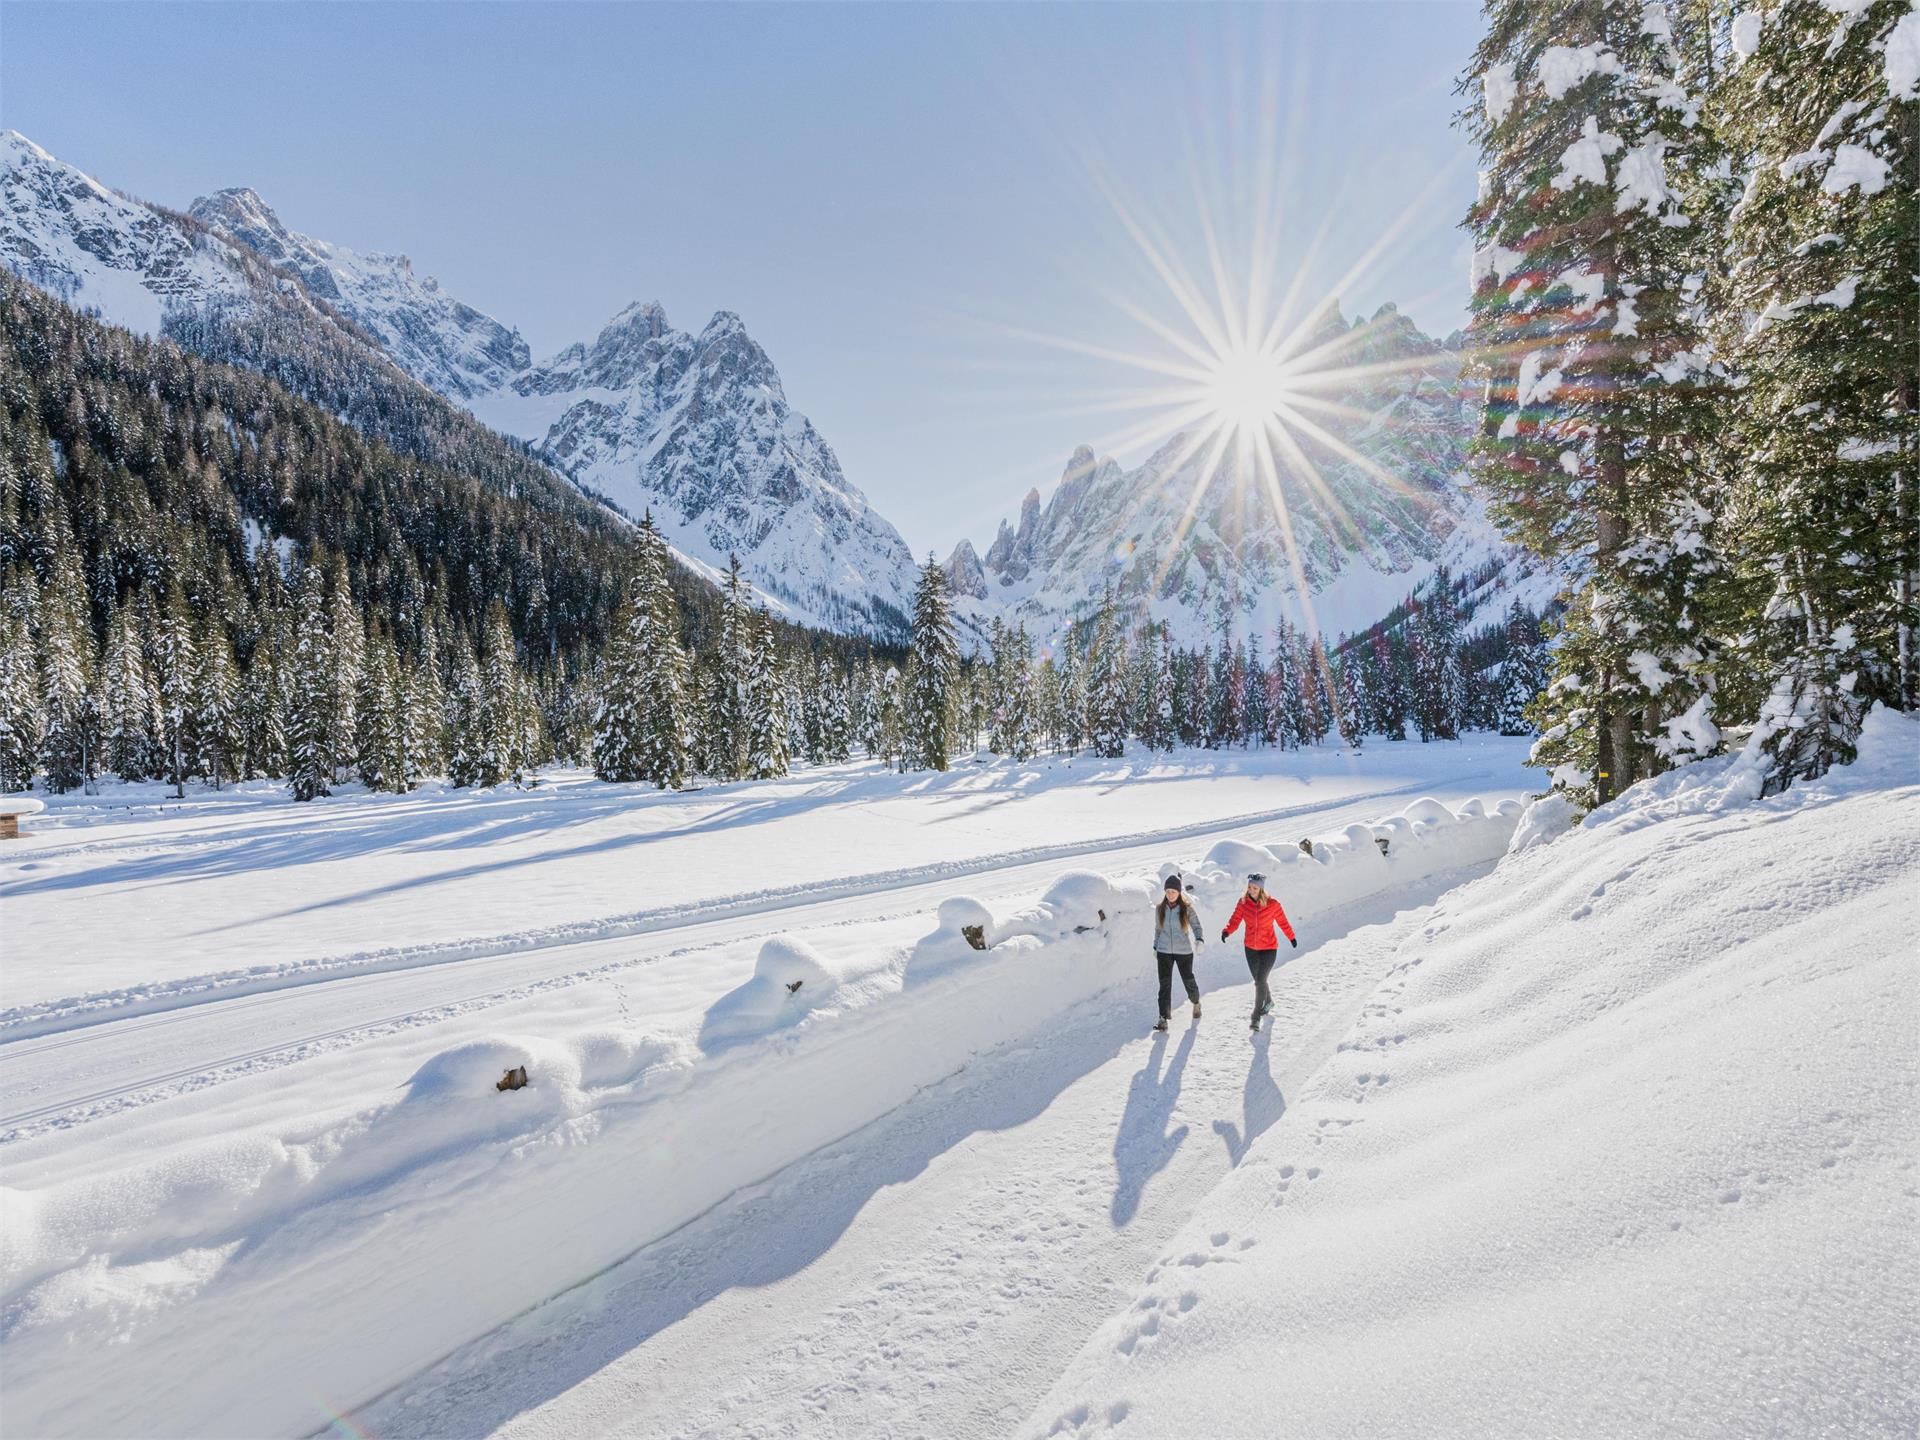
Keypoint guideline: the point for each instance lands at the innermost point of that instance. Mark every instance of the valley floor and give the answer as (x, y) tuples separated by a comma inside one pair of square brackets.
[(1614, 1136)]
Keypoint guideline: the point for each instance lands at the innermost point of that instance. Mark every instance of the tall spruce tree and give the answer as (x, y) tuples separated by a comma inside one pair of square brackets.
[(933, 673), (1822, 325), (1107, 675), (640, 731), (1587, 325), (311, 703)]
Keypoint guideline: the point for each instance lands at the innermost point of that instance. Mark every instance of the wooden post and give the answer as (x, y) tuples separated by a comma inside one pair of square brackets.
[(9, 825)]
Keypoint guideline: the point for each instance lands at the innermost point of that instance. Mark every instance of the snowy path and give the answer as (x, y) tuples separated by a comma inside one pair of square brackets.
[(106, 1068), (931, 1274)]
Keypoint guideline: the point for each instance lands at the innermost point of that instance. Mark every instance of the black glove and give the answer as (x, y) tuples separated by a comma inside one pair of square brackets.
[(1223, 936), (1293, 942)]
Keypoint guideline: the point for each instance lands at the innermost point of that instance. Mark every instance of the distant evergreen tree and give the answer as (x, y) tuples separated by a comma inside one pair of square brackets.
[(886, 720), (346, 627), (1107, 676), (19, 703), (69, 740), (1159, 719), (933, 671), (1256, 702), (1350, 707), (177, 666), (1070, 706), (129, 705), (766, 701), (215, 723), (311, 703), (640, 731), (1523, 674), (466, 731), (383, 759)]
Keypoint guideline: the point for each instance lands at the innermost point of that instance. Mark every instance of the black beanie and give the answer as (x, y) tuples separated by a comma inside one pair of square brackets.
[(1172, 882)]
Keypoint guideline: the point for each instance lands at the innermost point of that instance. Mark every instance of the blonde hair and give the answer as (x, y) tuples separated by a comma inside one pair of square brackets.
[(1261, 891)]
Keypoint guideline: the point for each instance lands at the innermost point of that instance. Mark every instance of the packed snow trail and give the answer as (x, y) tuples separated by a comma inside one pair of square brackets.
[(930, 1274), (106, 1061)]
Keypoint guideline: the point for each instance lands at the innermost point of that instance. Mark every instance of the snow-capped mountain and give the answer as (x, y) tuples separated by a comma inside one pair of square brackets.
[(99, 250), (444, 344), (697, 429), (1203, 546)]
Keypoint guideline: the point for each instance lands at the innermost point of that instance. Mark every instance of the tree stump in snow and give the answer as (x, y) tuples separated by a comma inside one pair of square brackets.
[(1306, 847), (976, 935), (12, 807), (1381, 841), (514, 1079)]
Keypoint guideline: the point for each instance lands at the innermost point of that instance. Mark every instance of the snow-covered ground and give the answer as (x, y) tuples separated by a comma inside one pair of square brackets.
[(178, 1130), (1613, 1137)]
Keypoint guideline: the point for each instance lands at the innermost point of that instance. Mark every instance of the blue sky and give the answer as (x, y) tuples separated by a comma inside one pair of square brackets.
[(900, 201)]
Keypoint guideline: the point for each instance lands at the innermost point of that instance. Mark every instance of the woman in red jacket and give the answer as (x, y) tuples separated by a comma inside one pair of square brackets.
[(1260, 913)]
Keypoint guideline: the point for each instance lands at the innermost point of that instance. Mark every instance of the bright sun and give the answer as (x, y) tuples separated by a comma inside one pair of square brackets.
[(1246, 390)]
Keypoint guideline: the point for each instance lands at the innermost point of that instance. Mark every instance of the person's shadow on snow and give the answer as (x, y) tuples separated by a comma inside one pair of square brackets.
[(1261, 1103), (1143, 1146)]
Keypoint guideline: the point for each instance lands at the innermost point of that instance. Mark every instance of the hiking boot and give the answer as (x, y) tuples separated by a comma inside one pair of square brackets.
[(1196, 1009), (1163, 1023)]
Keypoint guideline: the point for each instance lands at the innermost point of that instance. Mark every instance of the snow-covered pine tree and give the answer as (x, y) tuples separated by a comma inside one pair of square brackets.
[(465, 722), (1587, 326), (69, 736), (1822, 326), (1257, 725), (382, 757), (1021, 719), (1158, 721), (176, 666), (1434, 641), (1071, 706), (506, 716), (426, 704), (311, 702), (216, 724), (347, 626), (1523, 674), (999, 668), (127, 703), (640, 730), (1349, 714), (834, 691), (1107, 682), (19, 701), (932, 673), (884, 714), (766, 700)]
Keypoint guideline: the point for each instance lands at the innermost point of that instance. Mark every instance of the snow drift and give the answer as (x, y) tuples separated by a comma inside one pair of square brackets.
[(451, 1206), (1624, 1146)]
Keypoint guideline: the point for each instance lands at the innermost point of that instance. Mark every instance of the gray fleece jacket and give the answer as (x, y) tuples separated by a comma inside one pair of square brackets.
[(1169, 938)]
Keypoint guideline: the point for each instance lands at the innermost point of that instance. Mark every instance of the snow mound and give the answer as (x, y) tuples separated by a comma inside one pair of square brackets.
[(790, 979), (1546, 819)]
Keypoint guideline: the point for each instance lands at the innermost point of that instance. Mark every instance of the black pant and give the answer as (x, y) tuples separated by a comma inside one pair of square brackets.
[(1260, 962), (1167, 962)]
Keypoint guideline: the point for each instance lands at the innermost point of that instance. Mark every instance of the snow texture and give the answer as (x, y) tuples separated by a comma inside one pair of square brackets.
[(1624, 1145), (190, 1258)]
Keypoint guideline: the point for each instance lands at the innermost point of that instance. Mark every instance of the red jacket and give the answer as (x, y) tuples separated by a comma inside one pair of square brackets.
[(1260, 920)]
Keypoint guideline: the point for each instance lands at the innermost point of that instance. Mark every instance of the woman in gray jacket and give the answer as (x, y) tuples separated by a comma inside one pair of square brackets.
[(1176, 934)]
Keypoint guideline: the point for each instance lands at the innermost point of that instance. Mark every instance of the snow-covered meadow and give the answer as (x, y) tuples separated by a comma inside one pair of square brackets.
[(1628, 1111), (242, 1035)]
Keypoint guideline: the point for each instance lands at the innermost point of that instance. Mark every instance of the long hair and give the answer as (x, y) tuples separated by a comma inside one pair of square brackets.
[(1186, 912), (1261, 891)]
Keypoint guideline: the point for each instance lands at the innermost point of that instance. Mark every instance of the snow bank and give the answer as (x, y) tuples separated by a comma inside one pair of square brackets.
[(451, 1206), (1623, 1146)]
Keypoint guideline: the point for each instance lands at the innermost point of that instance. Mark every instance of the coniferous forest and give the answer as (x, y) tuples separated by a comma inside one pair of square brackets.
[(1696, 317), (1696, 336)]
